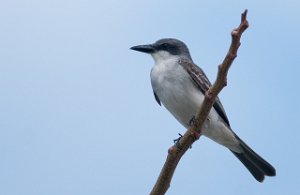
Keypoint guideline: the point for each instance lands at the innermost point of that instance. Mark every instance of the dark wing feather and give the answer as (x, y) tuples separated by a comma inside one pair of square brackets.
[(202, 82), (156, 98)]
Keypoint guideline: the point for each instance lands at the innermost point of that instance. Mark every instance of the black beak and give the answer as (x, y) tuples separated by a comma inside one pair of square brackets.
[(144, 48)]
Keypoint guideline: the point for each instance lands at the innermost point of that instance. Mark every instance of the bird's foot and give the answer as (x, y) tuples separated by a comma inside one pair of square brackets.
[(176, 141), (192, 121)]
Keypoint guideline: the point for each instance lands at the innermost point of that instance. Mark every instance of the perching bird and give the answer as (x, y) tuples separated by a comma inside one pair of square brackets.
[(180, 85)]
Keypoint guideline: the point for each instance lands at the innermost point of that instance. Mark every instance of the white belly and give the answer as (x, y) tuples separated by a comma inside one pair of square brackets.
[(179, 95)]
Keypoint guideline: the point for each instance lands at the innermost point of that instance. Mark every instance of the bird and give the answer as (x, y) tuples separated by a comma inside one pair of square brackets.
[(180, 85)]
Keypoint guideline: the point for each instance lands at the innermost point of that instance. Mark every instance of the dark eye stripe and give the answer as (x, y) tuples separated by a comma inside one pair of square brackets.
[(164, 46), (172, 49)]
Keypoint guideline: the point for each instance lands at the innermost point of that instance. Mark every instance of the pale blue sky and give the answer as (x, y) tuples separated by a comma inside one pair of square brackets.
[(77, 113)]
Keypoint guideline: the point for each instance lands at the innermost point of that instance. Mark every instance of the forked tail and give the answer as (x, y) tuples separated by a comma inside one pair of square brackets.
[(257, 166)]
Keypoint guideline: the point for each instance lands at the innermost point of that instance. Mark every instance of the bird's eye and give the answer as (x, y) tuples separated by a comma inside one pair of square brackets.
[(165, 46)]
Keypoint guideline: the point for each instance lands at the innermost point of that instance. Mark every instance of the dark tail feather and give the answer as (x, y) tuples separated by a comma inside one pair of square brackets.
[(257, 166)]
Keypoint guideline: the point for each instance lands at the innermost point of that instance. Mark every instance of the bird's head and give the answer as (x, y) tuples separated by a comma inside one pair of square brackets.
[(164, 49)]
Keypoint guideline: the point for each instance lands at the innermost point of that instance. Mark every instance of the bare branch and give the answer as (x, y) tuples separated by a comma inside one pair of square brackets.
[(193, 133)]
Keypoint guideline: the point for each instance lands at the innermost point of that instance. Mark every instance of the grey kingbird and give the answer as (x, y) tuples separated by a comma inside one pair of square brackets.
[(180, 85)]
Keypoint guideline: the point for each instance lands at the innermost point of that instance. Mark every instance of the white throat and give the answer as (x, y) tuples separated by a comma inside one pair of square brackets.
[(163, 56)]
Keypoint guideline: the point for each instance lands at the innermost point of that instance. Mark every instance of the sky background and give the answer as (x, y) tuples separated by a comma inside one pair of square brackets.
[(77, 113)]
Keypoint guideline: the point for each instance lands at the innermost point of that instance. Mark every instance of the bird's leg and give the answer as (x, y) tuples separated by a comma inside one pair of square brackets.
[(192, 121), (176, 141), (195, 134)]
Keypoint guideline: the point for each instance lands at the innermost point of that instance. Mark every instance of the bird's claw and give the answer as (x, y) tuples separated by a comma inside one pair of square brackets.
[(176, 141), (192, 121)]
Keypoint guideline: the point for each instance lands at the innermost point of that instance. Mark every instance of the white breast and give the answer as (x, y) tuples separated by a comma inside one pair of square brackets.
[(174, 88)]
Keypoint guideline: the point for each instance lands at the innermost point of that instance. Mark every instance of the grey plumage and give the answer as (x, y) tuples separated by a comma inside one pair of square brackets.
[(179, 84)]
